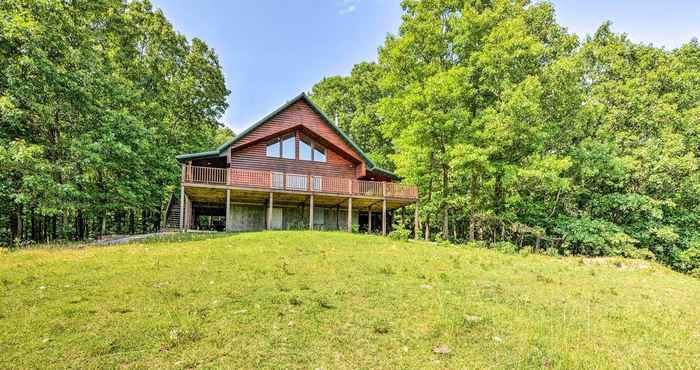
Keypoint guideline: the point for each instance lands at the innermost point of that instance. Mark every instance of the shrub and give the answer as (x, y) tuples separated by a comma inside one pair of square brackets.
[(399, 232), (593, 237), (689, 259), (505, 247), (441, 241), (638, 253)]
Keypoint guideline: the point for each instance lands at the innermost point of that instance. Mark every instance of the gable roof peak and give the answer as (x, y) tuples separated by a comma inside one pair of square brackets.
[(221, 150)]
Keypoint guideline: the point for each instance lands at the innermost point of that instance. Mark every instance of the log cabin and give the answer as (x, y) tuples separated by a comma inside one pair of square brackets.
[(293, 169)]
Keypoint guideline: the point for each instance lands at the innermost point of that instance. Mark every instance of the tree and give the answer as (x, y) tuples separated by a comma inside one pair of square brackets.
[(510, 124), (103, 94)]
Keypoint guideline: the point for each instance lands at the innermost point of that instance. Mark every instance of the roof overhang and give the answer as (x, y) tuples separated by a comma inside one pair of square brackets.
[(200, 155)]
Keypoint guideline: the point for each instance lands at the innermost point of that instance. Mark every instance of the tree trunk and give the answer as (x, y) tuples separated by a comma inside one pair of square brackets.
[(445, 210), (53, 227), (103, 224), (45, 229), (79, 225), (132, 221), (427, 216), (16, 224), (64, 225), (156, 220), (33, 223), (144, 219), (498, 192), (118, 221), (473, 189)]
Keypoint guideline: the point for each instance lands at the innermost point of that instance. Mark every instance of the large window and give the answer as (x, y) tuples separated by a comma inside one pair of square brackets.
[(288, 148), (281, 148), (304, 150), (319, 154), (273, 148)]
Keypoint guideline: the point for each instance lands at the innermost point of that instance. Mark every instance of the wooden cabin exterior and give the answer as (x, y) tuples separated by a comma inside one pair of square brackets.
[(293, 169)]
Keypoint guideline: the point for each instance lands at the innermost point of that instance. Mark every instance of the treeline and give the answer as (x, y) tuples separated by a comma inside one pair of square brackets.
[(97, 97), (516, 130)]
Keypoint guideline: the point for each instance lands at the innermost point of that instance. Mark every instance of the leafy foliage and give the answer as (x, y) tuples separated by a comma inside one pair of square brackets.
[(96, 99), (504, 119)]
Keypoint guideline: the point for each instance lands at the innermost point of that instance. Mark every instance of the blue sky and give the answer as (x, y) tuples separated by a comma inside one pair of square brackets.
[(271, 50)]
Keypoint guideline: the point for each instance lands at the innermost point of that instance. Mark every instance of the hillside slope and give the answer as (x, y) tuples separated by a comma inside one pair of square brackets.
[(335, 300)]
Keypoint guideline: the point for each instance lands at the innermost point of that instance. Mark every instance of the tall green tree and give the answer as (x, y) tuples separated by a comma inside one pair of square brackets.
[(103, 94), (511, 127)]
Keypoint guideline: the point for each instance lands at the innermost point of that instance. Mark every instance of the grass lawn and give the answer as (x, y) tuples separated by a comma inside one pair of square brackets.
[(335, 300)]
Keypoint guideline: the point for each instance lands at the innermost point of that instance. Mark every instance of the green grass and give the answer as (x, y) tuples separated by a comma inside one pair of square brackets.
[(334, 300)]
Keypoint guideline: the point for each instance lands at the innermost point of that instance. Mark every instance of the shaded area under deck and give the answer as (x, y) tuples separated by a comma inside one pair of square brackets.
[(258, 209)]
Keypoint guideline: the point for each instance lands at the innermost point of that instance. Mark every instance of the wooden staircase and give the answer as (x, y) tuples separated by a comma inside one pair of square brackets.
[(172, 214)]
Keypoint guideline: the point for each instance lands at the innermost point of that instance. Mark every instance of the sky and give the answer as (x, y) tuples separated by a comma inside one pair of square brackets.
[(272, 50)]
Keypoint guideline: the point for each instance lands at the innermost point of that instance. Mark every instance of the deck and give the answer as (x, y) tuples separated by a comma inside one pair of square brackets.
[(227, 186), (296, 183)]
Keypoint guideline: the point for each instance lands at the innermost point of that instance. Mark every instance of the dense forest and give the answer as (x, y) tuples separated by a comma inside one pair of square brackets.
[(520, 133), (97, 97), (517, 132)]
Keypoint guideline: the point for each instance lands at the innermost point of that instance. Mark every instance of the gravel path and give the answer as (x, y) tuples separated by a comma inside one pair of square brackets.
[(129, 238)]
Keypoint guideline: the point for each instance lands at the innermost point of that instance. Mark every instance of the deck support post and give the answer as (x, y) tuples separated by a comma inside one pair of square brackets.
[(228, 210), (416, 226), (182, 206), (269, 212), (187, 212), (311, 212), (349, 215), (369, 219), (384, 217)]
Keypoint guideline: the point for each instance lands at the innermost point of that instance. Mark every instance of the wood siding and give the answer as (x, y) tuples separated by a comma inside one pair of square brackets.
[(299, 115), (253, 158), (299, 118)]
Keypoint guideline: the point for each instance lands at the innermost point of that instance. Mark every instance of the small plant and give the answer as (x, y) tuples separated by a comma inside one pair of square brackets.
[(381, 326), (323, 302), (355, 228), (441, 241), (184, 335), (552, 252)]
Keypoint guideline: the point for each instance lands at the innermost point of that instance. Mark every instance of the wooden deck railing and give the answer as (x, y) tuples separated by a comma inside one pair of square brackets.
[(296, 182)]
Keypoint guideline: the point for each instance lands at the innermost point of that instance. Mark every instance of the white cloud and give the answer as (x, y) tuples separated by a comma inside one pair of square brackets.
[(347, 7)]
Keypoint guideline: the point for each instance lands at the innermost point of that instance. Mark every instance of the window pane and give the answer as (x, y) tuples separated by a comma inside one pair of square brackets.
[(288, 148), (319, 154), (273, 149), (304, 151)]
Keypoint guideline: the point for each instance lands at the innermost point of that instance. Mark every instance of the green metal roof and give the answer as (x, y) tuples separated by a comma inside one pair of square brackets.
[(221, 150), (189, 156)]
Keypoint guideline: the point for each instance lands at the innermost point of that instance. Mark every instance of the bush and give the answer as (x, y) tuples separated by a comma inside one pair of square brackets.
[(689, 259), (638, 253), (505, 247), (399, 232), (593, 237)]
